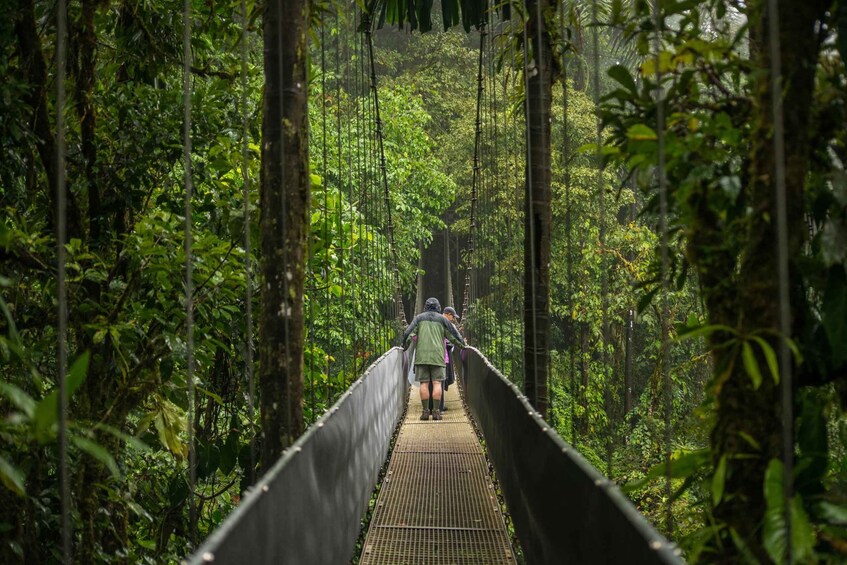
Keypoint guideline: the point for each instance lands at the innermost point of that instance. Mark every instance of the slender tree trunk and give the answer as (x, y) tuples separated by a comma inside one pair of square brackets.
[(538, 213), (285, 191)]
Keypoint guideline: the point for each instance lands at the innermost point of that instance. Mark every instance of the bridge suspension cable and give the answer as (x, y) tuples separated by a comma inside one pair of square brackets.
[(398, 297), (471, 273), (61, 288), (189, 270), (248, 258), (664, 360)]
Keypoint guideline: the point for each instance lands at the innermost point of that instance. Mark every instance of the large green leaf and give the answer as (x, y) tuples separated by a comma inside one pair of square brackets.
[(750, 364), (683, 465), (47, 410), (98, 452), (19, 398), (775, 534), (11, 477), (621, 75)]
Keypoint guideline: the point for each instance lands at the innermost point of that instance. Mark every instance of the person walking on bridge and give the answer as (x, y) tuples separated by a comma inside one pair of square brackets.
[(451, 315), (431, 329)]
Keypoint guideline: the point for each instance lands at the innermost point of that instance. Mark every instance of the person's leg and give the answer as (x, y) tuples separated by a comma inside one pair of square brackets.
[(423, 377), (437, 379)]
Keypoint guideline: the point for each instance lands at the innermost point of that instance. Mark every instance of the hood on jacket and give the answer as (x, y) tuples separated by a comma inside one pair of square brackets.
[(432, 304)]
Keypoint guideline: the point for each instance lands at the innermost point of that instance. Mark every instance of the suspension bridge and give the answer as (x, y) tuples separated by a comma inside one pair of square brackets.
[(447, 489), (494, 481)]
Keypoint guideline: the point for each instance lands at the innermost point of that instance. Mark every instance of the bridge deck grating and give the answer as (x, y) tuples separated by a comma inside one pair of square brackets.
[(453, 520)]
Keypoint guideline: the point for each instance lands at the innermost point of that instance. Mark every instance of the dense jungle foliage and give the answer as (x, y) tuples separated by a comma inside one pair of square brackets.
[(718, 420)]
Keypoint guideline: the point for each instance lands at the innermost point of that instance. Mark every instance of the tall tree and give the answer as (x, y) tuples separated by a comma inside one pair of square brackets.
[(538, 216), (741, 408), (285, 189)]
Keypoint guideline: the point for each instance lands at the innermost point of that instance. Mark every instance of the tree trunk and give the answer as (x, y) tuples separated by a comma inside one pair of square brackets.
[(538, 213), (741, 408), (285, 191)]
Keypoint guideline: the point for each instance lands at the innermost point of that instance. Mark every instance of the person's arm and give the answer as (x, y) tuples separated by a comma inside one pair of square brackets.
[(410, 331), (452, 333)]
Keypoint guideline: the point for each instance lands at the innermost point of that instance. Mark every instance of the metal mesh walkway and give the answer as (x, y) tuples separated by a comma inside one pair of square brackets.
[(437, 504)]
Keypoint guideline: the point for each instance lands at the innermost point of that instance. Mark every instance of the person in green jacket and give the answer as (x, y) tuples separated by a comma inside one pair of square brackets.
[(431, 329)]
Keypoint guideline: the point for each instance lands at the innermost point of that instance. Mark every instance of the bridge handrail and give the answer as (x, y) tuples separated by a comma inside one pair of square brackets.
[(308, 507), (544, 480)]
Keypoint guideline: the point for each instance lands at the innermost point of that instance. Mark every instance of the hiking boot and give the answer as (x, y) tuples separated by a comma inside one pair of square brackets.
[(425, 415), (436, 414)]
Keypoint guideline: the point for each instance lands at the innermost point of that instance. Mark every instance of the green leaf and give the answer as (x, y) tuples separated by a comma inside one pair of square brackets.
[(126, 438), (216, 397), (750, 364), (98, 452), (641, 132), (19, 398), (622, 76), (702, 331), (832, 513), (770, 357), (775, 532), (718, 481), (47, 410), (11, 477), (683, 465), (749, 439)]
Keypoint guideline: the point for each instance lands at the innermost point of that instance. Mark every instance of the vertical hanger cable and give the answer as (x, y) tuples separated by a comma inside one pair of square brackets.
[(248, 267), (61, 290), (658, 23), (786, 384), (189, 269)]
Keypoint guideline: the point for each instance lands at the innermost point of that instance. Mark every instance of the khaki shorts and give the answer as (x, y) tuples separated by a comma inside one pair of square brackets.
[(425, 373)]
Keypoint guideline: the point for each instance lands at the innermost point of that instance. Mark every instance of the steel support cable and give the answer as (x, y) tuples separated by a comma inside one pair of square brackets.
[(360, 169), (513, 307), (496, 173), (283, 90), (61, 290), (375, 256), (566, 161), (604, 282), (325, 213), (341, 233), (491, 185), (364, 138), (658, 23), (377, 248), (529, 233), (248, 267), (350, 31), (497, 189), (189, 268), (488, 185), (387, 195), (376, 216), (786, 384), (472, 275), (482, 214)]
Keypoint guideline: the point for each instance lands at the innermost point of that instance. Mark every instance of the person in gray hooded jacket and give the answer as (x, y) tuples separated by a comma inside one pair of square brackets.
[(431, 329)]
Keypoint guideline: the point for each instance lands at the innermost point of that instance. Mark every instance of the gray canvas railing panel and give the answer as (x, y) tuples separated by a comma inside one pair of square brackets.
[(563, 509), (308, 507)]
